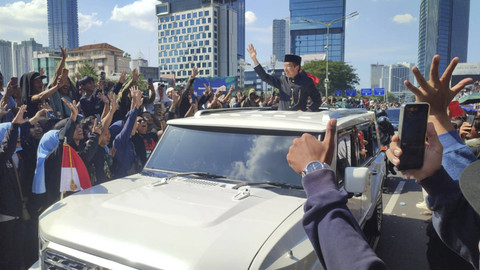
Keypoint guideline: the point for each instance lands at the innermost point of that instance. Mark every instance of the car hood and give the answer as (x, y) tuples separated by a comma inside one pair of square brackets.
[(182, 224)]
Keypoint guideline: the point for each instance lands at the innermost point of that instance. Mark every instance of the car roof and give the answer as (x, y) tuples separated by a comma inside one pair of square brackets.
[(267, 119)]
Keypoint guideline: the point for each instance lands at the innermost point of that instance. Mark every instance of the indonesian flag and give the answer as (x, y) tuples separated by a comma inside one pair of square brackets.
[(74, 175)]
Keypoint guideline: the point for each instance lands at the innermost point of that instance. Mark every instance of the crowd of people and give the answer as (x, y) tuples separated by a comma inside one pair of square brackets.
[(114, 128)]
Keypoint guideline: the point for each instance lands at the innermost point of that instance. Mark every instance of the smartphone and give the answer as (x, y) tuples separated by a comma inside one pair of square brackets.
[(412, 129), (14, 81), (470, 119), (150, 80), (52, 115)]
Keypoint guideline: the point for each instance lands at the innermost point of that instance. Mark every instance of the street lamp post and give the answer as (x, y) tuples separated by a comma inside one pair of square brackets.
[(353, 14)]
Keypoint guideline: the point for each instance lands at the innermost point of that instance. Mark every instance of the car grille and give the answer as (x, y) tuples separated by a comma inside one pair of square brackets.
[(54, 260)]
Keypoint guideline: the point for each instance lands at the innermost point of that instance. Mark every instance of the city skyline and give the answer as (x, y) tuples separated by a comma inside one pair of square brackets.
[(385, 32)]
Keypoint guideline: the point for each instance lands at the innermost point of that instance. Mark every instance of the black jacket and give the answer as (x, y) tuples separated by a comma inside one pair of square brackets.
[(10, 200), (293, 92)]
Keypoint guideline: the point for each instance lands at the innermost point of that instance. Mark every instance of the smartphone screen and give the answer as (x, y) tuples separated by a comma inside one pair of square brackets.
[(470, 119), (412, 130), (14, 81)]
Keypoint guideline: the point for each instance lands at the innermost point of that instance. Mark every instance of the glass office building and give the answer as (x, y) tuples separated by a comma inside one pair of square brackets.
[(443, 30), (62, 24), (209, 34), (310, 38), (281, 38)]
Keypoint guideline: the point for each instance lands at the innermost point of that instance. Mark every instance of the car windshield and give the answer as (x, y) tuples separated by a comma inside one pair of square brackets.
[(252, 156), (393, 114)]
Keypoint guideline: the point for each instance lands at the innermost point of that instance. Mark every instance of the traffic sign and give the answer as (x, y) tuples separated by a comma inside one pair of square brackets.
[(379, 91), (351, 92), (366, 92), (338, 93)]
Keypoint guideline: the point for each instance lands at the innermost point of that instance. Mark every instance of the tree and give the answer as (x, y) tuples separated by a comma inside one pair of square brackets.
[(86, 69), (342, 76)]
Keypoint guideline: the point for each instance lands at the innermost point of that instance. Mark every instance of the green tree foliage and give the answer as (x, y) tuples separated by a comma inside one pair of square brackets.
[(86, 69), (342, 76)]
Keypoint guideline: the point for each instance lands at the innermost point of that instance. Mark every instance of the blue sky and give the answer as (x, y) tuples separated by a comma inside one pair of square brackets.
[(385, 32)]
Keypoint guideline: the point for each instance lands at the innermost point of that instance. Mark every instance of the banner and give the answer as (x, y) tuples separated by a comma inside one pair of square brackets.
[(338, 93), (214, 82)]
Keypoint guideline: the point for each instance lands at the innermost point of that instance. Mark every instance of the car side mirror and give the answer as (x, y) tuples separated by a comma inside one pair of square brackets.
[(355, 179)]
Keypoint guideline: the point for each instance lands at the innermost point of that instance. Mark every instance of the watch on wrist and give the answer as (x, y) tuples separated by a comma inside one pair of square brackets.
[(314, 166)]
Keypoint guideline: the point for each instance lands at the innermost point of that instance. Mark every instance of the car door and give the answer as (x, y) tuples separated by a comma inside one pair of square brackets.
[(368, 155)]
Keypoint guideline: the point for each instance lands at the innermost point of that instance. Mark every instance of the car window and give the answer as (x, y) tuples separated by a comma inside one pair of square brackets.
[(364, 147), (253, 157), (344, 155)]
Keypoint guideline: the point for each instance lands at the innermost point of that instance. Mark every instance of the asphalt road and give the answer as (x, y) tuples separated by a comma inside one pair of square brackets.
[(403, 241)]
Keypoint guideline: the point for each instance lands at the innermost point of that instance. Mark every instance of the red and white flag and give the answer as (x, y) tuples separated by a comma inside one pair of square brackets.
[(74, 176)]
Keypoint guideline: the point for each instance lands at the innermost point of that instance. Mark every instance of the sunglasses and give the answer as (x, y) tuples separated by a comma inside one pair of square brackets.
[(141, 120)]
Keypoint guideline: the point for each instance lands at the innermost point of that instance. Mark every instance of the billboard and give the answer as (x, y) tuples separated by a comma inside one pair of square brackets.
[(351, 92), (214, 82), (366, 92)]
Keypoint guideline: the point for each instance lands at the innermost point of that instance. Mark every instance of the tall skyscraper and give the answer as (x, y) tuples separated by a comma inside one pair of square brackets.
[(281, 38), (309, 38), (6, 60), (376, 75), (207, 33), (62, 24), (443, 30)]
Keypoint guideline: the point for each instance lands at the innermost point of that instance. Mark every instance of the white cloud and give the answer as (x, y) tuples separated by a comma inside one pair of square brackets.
[(250, 17), (86, 22), (24, 19), (139, 14), (404, 18)]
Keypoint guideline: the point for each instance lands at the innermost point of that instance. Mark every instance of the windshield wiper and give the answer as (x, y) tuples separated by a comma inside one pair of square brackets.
[(267, 184), (200, 174)]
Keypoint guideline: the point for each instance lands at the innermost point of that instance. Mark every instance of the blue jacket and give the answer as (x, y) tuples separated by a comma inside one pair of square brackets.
[(331, 227), (125, 155), (455, 221)]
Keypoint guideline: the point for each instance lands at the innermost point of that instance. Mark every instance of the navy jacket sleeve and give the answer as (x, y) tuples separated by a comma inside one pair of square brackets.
[(331, 227), (271, 80), (455, 221)]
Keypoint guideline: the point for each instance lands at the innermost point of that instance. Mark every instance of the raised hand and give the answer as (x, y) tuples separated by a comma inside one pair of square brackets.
[(97, 127), (41, 114), (42, 71), (73, 108), (78, 76), (135, 75), (194, 72), (123, 77), (437, 91), (232, 88), (64, 52), (432, 160), (4, 110), (307, 148), (113, 102), (19, 119)]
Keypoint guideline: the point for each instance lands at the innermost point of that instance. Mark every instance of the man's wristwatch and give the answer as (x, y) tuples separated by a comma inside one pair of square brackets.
[(314, 166)]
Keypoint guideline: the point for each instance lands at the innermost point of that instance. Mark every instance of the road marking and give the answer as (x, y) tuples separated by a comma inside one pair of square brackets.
[(393, 200)]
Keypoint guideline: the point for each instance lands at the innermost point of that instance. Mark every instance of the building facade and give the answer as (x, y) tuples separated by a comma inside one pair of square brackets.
[(281, 38), (201, 33), (103, 57), (443, 30), (62, 24), (6, 64), (376, 75), (309, 38), (23, 56), (47, 61)]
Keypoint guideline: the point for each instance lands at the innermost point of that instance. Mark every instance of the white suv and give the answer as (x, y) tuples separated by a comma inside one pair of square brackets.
[(217, 193)]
